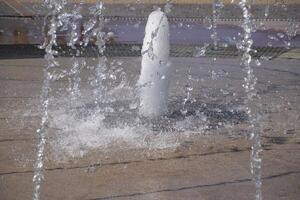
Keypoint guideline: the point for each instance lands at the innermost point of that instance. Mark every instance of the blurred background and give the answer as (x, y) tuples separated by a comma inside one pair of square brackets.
[(21, 21)]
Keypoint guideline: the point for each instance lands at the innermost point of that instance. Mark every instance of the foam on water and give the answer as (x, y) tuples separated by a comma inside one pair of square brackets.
[(78, 137), (115, 124)]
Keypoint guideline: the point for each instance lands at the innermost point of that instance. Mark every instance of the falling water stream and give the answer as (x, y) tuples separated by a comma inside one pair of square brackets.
[(95, 26), (61, 20), (249, 86), (55, 8), (217, 5), (77, 63)]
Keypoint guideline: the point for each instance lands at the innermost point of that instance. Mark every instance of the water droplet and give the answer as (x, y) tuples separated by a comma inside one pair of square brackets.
[(280, 35), (287, 44), (119, 62), (200, 51), (135, 48), (257, 62), (133, 105), (207, 23), (272, 37)]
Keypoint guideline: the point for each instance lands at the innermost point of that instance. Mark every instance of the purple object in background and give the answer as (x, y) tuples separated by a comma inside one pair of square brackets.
[(197, 33), (133, 32)]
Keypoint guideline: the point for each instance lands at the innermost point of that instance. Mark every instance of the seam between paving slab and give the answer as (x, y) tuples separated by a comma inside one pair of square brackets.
[(140, 161), (196, 186)]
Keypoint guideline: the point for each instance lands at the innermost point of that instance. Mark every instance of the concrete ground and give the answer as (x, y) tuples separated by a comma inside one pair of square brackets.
[(209, 164)]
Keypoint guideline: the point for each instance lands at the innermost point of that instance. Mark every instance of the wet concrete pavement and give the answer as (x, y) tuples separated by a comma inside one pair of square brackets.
[(210, 166)]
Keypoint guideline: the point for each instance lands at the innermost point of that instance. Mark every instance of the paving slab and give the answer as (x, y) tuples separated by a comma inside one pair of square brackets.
[(208, 164)]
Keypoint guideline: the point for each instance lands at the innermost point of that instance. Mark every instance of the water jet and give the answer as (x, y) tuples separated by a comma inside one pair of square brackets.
[(155, 67)]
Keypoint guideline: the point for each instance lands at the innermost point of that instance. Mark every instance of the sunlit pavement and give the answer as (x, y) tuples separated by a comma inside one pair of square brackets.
[(211, 167)]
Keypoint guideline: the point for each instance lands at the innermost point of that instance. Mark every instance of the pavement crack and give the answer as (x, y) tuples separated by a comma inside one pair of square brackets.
[(16, 139), (195, 186), (130, 162), (126, 162)]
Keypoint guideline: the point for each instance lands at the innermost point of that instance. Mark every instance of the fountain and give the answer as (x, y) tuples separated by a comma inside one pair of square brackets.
[(135, 91), (156, 68)]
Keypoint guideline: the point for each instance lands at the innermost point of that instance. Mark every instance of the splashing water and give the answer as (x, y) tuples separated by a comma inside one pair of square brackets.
[(74, 82), (201, 51), (74, 126), (249, 86), (100, 68), (188, 91), (291, 32), (63, 21)]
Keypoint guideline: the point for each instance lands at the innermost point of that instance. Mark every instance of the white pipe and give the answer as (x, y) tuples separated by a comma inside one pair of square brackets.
[(156, 71)]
